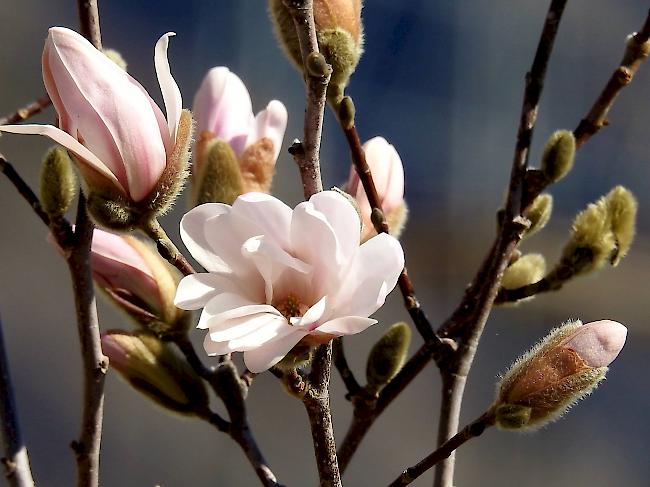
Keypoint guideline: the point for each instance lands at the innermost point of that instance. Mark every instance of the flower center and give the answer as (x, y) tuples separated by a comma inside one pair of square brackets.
[(291, 307)]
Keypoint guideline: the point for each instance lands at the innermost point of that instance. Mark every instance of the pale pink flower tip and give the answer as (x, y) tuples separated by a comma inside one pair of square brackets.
[(598, 343), (277, 276)]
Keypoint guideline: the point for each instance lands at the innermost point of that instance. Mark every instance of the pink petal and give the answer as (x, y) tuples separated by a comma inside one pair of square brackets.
[(195, 290), (272, 216), (170, 92), (67, 141), (312, 316), (249, 321), (193, 235), (227, 306), (598, 343), (223, 106), (270, 123)]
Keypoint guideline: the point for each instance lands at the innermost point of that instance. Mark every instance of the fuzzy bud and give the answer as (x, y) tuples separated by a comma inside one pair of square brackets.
[(564, 367), (58, 183), (539, 213), (622, 208), (139, 281), (340, 38), (527, 269), (219, 179), (388, 356), (116, 57), (558, 156), (155, 370)]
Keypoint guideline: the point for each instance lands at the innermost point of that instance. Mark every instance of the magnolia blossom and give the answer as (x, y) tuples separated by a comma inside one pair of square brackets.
[(597, 343), (223, 111), (121, 138), (388, 175), (277, 276)]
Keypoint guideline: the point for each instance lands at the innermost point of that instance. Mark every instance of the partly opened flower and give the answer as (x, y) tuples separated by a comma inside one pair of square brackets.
[(125, 146), (224, 115), (388, 175), (137, 279), (277, 276)]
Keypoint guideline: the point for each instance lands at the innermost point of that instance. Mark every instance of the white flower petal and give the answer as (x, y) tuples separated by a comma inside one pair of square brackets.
[(272, 216), (193, 235), (195, 290), (170, 92), (263, 358), (372, 276), (312, 315), (347, 325), (220, 304), (245, 324)]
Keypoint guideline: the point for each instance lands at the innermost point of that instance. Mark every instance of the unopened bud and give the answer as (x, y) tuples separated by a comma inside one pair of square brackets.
[(340, 38), (219, 178), (58, 183), (635, 51), (153, 369), (622, 208), (564, 367), (346, 112), (388, 356), (557, 159), (591, 243), (528, 269), (116, 57), (539, 213)]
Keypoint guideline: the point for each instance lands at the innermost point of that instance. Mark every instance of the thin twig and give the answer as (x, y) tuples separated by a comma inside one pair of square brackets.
[(166, 247), (472, 430), (317, 404), (95, 364), (455, 373), (25, 191), (636, 52), (411, 302), (341, 364), (15, 460), (27, 111), (317, 76), (89, 21)]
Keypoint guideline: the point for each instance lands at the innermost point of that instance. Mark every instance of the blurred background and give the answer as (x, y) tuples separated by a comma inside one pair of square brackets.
[(443, 82)]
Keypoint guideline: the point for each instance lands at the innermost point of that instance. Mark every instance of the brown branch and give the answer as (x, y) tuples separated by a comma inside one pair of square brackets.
[(472, 430), (15, 459), (317, 404), (411, 302), (341, 364), (89, 21), (226, 383), (636, 52), (25, 191), (485, 288), (166, 247), (95, 364), (317, 76), (27, 111)]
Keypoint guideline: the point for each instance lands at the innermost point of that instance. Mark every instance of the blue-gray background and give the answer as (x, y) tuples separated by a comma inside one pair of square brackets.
[(442, 81)]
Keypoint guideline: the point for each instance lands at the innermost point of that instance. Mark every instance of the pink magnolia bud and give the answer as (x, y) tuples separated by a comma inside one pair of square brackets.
[(560, 370), (136, 278), (122, 140), (388, 175)]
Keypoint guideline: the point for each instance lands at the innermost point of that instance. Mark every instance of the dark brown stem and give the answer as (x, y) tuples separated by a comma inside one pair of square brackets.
[(166, 247), (27, 111), (95, 364), (25, 191), (484, 289), (636, 52), (512, 295), (15, 459), (317, 75), (89, 21), (317, 404), (472, 430), (365, 176)]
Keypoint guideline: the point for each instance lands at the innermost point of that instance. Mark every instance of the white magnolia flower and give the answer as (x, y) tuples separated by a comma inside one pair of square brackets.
[(276, 275)]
